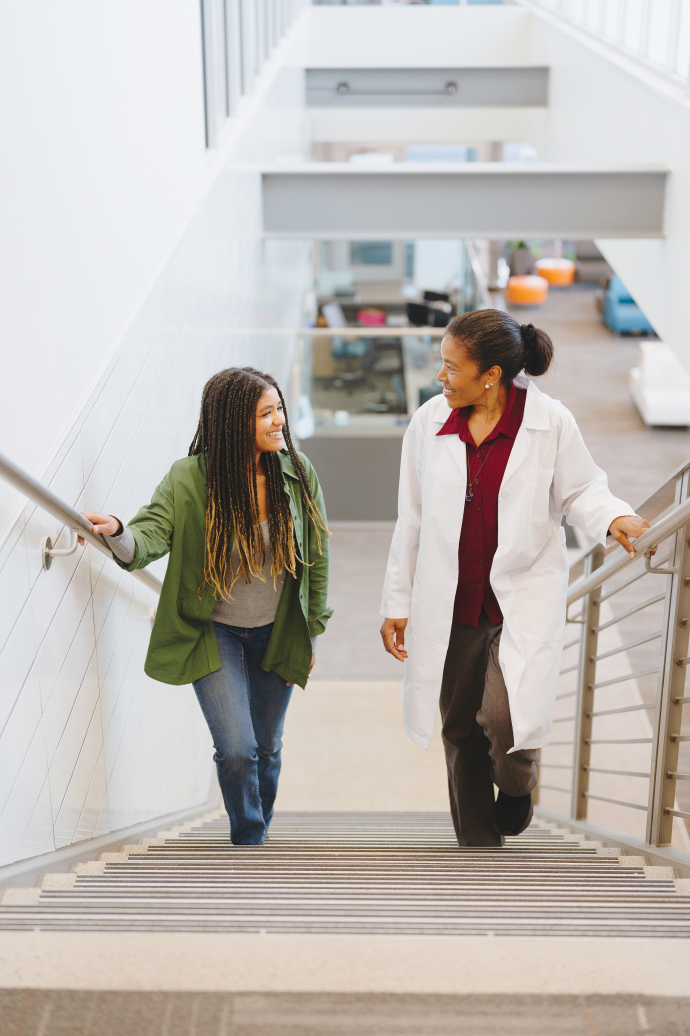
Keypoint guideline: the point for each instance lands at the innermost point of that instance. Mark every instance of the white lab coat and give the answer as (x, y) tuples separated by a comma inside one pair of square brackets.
[(549, 473)]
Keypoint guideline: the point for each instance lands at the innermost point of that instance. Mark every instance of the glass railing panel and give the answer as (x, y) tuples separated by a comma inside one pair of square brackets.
[(365, 380)]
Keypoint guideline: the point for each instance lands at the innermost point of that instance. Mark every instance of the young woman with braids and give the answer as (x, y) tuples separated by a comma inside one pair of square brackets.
[(477, 577), (244, 594)]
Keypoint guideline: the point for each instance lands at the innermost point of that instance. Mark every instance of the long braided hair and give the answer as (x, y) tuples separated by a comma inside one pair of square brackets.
[(226, 436)]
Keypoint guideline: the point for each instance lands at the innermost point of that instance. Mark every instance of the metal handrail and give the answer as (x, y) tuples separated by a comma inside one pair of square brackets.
[(655, 535), (46, 498)]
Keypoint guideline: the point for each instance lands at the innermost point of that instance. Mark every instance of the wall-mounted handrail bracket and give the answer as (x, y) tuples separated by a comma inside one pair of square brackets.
[(48, 552), (649, 567), (577, 621)]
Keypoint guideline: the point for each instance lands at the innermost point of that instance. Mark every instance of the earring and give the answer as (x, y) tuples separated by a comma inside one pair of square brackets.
[(487, 386)]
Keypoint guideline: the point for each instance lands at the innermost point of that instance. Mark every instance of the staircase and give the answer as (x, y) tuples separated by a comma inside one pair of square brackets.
[(358, 874)]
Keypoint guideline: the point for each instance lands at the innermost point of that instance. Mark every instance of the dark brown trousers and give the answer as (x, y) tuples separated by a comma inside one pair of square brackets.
[(477, 733)]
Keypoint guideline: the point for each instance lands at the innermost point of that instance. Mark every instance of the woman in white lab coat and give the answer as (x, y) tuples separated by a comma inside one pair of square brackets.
[(475, 589)]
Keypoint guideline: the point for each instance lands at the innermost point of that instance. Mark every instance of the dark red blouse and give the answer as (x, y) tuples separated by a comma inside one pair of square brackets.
[(479, 533)]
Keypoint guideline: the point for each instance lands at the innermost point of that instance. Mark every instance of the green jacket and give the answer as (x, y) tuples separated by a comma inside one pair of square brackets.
[(183, 642)]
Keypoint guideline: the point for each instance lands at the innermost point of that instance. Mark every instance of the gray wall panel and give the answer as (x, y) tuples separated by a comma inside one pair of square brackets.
[(358, 474), (475, 200), (515, 87)]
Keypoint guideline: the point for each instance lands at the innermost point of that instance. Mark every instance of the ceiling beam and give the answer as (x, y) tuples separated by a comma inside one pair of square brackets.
[(493, 200)]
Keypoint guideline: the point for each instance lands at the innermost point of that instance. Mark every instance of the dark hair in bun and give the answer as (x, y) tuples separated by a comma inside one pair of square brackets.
[(493, 338)]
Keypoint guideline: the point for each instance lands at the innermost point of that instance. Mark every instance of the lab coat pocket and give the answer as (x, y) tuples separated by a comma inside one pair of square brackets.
[(541, 480)]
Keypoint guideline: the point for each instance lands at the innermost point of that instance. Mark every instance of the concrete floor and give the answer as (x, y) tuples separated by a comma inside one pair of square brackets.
[(53, 1013), (359, 755)]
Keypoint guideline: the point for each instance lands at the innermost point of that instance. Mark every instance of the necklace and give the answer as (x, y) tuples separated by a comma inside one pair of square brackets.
[(469, 495)]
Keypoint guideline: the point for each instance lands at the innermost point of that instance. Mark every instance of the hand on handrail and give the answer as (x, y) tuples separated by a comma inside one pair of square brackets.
[(629, 525), (104, 524)]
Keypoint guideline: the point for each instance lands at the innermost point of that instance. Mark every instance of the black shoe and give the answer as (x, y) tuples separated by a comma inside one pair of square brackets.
[(513, 813)]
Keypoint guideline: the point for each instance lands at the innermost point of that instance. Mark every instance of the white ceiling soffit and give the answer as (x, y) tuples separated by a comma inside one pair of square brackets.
[(502, 87), (489, 200)]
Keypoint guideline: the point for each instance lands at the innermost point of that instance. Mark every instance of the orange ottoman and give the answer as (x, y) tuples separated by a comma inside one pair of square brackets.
[(527, 290), (556, 271)]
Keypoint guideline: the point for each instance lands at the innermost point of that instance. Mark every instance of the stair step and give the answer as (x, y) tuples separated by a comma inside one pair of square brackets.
[(359, 873)]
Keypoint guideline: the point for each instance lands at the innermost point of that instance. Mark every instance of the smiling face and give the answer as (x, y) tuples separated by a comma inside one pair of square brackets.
[(270, 418), (463, 382)]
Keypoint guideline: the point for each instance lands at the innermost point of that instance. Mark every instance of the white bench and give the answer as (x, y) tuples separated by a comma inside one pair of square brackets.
[(660, 386)]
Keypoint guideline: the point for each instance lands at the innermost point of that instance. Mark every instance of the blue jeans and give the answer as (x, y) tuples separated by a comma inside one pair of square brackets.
[(245, 710)]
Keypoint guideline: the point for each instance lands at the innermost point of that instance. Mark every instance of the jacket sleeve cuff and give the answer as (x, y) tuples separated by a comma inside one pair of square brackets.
[(317, 625), (396, 608)]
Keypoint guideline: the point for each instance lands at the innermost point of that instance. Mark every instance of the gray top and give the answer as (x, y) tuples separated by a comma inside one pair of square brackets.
[(253, 604)]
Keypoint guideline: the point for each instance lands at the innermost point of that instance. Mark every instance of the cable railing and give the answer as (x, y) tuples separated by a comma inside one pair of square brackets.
[(71, 519), (620, 726)]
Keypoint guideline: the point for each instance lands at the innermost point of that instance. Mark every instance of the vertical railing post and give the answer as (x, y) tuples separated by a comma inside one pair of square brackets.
[(670, 690), (585, 689), (210, 107)]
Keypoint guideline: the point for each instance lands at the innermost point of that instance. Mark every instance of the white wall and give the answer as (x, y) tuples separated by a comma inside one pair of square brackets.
[(414, 36), (117, 316), (103, 164), (605, 108), (422, 125)]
